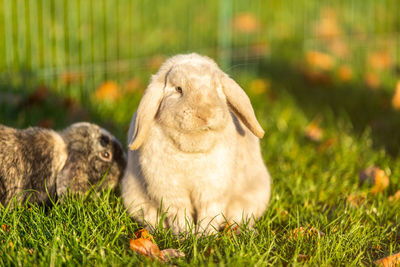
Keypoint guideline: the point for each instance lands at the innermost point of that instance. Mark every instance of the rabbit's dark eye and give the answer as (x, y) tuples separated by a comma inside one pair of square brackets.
[(105, 155), (179, 89), (104, 140)]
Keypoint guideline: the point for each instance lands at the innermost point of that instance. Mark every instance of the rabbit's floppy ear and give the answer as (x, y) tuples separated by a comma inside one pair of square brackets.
[(241, 105), (146, 111)]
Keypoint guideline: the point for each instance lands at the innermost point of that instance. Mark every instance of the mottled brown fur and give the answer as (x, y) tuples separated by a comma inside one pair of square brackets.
[(37, 163)]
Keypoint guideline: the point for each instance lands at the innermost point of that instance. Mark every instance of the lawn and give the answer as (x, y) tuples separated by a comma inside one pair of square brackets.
[(326, 106)]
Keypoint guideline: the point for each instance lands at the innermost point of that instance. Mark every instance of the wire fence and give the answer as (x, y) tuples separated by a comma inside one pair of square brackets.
[(75, 45)]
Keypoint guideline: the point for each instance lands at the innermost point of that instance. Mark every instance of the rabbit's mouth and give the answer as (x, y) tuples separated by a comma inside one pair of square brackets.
[(198, 140)]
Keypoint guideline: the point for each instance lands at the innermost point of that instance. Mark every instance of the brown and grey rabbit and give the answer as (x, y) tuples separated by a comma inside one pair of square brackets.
[(38, 163)]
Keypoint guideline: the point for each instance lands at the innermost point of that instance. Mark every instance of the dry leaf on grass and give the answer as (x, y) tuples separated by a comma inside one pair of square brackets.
[(305, 232), (339, 48), (395, 197), (326, 145), (375, 176), (144, 245), (155, 62), (70, 77), (356, 200), (327, 27), (396, 97), (259, 86), (392, 260), (345, 73), (380, 60), (143, 233), (231, 229), (320, 60), (108, 91), (313, 131), (245, 23), (45, 123), (132, 85), (5, 227), (303, 257), (372, 80)]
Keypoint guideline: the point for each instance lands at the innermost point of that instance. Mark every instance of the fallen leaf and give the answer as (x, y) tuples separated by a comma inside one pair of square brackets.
[(396, 97), (155, 62), (143, 233), (259, 49), (133, 85), (144, 244), (395, 197), (259, 86), (316, 76), (339, 48), (5, 227), (45, 123), (70, 77), (380, 60), (356, 200), (345, 73), (326, 145), (245, 23), (38, 96), (108, 91), (303, 257), (313, 131), (231, 229), (392, 260), (375, 176), (145, 247), (372, 80), (327, 27), (320, 60), (305, 232)]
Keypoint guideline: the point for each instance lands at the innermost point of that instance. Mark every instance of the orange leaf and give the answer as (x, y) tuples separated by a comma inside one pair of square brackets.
[(377, 177), (231, 229), (143, 233), (306, 232), (245, 23), (372, 80), (356, 200), (345, 73), (145, 247), (395, 197), (108, 91), (320, 60), (303, 257), (396, 97), (327, 27), (45, 123), (154, 63), (314, 132), (392, 260), (70, 77), (380, 60), (5, 227), (259, 86), (132, 85)]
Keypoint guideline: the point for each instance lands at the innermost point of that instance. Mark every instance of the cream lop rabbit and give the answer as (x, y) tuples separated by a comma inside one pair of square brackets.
[(194, 147)]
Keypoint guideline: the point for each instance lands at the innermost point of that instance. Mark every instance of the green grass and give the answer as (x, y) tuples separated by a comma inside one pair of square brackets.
[(310, 188), (312, 181)]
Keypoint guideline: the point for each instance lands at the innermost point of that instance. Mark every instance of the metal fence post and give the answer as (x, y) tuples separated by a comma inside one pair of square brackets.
[(225, 33)]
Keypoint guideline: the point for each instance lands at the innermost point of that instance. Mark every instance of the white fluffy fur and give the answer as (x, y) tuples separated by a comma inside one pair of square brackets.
[(190, 152)]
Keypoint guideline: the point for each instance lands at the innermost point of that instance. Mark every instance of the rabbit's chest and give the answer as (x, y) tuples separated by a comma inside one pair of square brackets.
[(172, 171)]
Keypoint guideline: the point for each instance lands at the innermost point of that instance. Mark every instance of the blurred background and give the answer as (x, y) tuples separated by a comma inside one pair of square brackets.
[(70, 60)]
